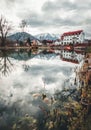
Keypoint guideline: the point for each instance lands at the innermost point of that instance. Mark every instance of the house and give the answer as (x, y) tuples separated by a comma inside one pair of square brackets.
[(73, 37)]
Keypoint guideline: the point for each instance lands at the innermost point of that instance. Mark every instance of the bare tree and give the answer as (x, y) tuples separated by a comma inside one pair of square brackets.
[(23, 24), (5, 28)]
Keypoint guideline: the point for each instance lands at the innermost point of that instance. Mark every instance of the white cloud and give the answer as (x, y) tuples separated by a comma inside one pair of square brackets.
[(49, 16)]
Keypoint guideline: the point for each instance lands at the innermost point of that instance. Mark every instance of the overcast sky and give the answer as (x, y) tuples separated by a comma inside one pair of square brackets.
[(52, 16)]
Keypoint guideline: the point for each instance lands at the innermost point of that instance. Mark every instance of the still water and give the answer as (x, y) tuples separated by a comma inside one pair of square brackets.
[(26, 76)]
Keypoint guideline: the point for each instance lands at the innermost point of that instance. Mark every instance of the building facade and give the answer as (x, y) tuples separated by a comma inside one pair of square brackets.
[(74, 37)]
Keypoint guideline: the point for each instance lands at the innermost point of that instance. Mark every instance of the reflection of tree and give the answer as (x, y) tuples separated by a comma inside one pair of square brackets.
[(5, 63), (29, 53), (24, 54)]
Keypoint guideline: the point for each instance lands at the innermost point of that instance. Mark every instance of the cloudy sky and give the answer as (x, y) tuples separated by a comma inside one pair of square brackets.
[(53, 16)]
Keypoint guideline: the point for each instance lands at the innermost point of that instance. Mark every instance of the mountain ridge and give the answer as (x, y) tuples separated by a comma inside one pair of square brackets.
[(47, 36), (21, 36)]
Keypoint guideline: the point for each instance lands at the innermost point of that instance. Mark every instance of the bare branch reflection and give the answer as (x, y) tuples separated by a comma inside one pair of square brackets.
[(5, 63)]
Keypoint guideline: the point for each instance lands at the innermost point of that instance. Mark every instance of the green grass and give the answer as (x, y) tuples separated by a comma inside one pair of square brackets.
[(88, 49)]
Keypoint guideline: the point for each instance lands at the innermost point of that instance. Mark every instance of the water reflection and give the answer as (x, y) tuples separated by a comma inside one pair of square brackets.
[(6, 65), (29, 90)]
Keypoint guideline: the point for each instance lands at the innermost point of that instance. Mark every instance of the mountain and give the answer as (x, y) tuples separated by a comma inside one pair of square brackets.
[(47, 36), (21, 36)]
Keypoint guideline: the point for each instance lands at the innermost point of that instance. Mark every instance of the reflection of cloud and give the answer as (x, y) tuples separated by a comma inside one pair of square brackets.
[(18, 88), (52, 72)]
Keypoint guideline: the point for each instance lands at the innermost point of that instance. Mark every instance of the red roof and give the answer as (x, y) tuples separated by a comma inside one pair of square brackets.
[(70, 60), (72, 33)]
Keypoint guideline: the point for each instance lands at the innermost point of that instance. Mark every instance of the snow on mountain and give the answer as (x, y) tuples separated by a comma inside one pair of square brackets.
[(20, 36), (47, 36)]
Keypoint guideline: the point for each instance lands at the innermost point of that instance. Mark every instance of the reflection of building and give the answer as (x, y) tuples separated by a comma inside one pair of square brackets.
[(71, 56), (72, 37)]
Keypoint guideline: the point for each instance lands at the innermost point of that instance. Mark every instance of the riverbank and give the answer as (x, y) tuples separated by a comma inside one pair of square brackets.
[(48, 47)]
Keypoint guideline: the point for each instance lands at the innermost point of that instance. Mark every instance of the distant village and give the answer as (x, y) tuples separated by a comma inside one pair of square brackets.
[(67, 38), (67, 45), (24, 39)]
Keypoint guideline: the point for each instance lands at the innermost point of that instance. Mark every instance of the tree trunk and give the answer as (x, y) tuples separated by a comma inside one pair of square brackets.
[(3, 42)]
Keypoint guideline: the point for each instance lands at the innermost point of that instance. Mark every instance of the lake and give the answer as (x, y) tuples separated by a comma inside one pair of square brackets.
[(27, 77)]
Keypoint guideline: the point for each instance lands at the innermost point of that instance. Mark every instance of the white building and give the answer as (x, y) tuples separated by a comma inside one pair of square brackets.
[(73, 37)]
